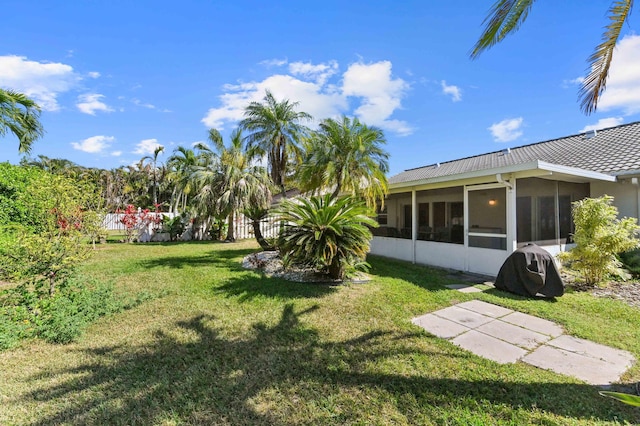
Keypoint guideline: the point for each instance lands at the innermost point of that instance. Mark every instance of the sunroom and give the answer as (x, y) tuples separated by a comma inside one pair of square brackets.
[(472, 220)]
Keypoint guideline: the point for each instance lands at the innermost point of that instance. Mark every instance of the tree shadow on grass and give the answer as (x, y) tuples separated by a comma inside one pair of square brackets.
[(229, 259), (420, 275), (248, 287), (285, 374)]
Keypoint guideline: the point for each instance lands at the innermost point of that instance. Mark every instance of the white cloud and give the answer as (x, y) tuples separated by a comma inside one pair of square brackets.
[(41, 81), (381, 94), (454, 91), (116, 153), (146, 146), (138, 102), (507, 130), (273, 62), (89, 103), (371, 86), (573, 82), (623, 84), (94, 74), (319, 73), (94, 144), (603, 123)]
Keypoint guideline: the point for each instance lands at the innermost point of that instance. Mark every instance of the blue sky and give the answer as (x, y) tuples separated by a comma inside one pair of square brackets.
[(117, 78)]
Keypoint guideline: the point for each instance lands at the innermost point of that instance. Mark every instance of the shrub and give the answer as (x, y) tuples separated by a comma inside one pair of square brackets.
[(175, 227), (28, 312), (328, 234), (42, 225), (631, 261), (599, 237)]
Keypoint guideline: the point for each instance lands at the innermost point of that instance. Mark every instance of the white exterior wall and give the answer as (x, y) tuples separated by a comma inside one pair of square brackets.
[(444, 255), (626, 196), (485, 261), (396, 248)]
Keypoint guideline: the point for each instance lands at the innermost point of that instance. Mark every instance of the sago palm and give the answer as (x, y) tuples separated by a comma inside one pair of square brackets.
[(329, 234)]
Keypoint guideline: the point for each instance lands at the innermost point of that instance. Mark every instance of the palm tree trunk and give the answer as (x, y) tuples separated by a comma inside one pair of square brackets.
[(230, 231), (264, 244)]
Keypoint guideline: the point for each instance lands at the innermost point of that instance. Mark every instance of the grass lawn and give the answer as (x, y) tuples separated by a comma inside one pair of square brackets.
[(225, 345)]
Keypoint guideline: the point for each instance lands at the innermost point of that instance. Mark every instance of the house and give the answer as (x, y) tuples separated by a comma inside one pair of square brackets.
[(470, 214)]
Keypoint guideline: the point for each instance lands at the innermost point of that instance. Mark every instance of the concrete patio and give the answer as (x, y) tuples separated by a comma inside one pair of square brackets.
[(506, 336)]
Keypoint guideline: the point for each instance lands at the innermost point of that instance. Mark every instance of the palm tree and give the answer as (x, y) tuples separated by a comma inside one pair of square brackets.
[(20, 116), (506, 16), (154, 159), (346, 156), (276, 129), (180, 167), (57, 166), (234, 183)]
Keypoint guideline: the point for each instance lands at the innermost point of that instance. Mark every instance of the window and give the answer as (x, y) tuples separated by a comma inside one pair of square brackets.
[(423, 215), (407, 216), (382, 216), (543, 210)]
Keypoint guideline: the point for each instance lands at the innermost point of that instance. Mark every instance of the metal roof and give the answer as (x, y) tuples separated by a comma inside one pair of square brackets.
[(613, 151)]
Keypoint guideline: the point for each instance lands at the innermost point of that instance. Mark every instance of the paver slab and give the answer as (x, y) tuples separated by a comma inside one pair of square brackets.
[(457, 286), (489, 347), (470, 289), (513, 334), (534, 323), (463, 316), (588, 369), (484, 308), (440, 327), (593, 350)]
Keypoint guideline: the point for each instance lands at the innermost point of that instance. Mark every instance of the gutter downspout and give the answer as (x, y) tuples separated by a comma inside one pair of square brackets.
[(503, 182), (634, 181)]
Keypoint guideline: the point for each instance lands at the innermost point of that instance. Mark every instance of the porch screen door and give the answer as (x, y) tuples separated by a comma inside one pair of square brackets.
[(487, 213)]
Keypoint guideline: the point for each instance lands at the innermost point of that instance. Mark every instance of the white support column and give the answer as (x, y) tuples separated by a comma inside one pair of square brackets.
[(465, 202), (512, 224), (414, 222)]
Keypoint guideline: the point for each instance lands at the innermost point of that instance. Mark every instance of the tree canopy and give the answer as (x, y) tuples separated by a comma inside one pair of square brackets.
[(20, 115)]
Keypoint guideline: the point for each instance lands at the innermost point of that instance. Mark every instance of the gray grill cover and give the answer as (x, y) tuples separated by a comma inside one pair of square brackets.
[(530, 271)]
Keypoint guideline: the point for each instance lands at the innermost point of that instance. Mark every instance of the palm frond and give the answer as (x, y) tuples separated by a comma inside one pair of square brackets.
[(505, 17), (600, 61)]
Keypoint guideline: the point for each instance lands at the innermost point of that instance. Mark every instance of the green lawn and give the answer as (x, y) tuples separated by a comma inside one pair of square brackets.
[(229, 346)]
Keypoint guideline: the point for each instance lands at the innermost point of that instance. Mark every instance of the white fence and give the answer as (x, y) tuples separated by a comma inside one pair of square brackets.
[(112, 221), (243, 227)]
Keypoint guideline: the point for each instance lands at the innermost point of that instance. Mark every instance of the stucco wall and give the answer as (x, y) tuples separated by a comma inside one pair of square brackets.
[(625, 196)]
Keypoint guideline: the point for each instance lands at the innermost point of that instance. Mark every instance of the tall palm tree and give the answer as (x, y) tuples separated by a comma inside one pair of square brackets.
[(236, 183), (180, 167), (154, 159), (276, 129), (57, 166), (139, 181), (506, 16), (21, 116), (346, 156)]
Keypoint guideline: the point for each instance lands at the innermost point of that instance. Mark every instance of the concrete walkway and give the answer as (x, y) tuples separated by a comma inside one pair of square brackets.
[(507, 336)]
